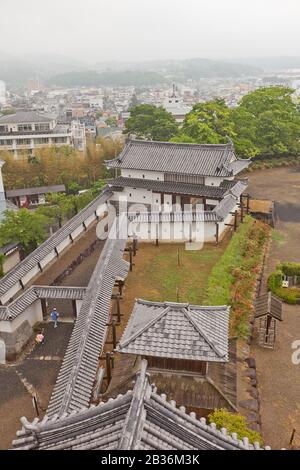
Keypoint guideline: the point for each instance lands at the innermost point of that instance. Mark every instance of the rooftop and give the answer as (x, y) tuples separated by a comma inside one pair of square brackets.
[(177, 331), (190, 159), (139, 420), (25, 116)]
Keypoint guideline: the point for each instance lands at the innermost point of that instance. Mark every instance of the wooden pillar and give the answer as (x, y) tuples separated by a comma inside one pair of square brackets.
[(248, 204), (74, 308), (204, 204), (108, 367), (120, 283), (118, 308), (217, 233), (235, 220), (130, 258), (114, 334), (242, 209), (134, 246), (44, 308), (156, 240)]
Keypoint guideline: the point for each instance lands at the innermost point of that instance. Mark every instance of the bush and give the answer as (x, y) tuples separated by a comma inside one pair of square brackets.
[(233, 278), (290, 269), (275, 280), (234, 422)]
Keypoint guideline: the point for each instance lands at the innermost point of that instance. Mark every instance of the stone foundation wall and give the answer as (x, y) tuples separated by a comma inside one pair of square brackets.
[(16, 340)]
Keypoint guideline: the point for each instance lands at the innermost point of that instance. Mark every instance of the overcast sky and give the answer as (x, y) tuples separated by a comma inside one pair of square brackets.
[(135, 30)]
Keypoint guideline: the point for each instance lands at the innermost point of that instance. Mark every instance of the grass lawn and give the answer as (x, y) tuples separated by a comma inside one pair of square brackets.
[(156, 275)]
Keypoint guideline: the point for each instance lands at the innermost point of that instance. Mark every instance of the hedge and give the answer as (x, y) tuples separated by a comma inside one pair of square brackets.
[(233, 278), (291, 295)]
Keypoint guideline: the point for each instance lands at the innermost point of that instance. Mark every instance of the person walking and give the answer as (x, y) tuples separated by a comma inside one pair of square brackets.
[(54, 316)]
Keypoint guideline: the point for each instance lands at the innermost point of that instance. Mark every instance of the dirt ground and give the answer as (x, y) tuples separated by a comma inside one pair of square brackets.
[(278, 377), (39, 367)]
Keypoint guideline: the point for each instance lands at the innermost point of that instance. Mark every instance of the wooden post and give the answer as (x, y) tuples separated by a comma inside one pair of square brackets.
[(248, 204), (204, 204), (44, 308), (156, 241), (177, 294), (108, 367), (130, 258), (242, 210), (118, 309), (114, 334), (134, 246), (178, 257), (292, 438), (74, 308), (35, 405), (235, 220), (217, 233)]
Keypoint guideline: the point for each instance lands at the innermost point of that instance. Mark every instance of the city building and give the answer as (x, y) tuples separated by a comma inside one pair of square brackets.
[(26, 197), (3, 100), (26, 131), (176, 106)]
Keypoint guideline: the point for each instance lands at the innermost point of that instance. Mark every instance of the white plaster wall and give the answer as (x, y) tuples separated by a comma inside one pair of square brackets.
[(33, 272), (77, 231), (90, 219), (66, 242), (213, 180), (48, 258), (10, 293), (142, 174), (33, 314)]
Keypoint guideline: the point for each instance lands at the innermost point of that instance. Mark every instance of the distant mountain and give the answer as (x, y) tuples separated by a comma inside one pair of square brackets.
[(108, 78), (272, 63), (63, 71)]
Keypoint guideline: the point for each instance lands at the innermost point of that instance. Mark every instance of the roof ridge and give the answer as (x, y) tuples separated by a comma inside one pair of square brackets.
[(136, 415), (187, 313), (143, 329)]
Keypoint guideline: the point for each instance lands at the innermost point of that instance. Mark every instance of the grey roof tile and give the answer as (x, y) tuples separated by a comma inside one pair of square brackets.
[(179, 331), (140, 419), (191, 159)]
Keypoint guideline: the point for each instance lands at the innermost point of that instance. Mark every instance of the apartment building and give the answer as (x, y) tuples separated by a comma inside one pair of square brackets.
[(26, 131)]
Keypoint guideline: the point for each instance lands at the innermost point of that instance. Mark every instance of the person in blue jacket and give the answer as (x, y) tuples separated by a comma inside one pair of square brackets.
[(54, 316)]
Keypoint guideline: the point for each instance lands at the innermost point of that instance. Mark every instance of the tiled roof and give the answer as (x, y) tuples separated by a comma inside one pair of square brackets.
[(39, 190), (14, 276), (191, 159), (155, 217), (17, 306), (77, 374), (223, 209), (139, 420), (216, 192), (178, 331), (24, 116), (268, 304)]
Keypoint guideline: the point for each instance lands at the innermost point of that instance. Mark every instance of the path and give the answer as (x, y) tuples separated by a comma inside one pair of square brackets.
[(278, 377)]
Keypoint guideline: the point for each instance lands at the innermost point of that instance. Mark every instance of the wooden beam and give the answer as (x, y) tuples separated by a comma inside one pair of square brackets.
[(114, 334), (217, 233), (108, 367)]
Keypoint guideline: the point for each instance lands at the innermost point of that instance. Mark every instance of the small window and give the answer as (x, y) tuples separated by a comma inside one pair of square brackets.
[(157, 201), (129, 194), (143, 176)]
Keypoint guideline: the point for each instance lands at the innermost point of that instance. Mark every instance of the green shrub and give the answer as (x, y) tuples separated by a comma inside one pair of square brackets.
[(290, 269), (288, 294), (234, 422), (275, 280)]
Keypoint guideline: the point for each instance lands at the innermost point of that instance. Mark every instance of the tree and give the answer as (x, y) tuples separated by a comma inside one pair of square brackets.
[(271, 120), (151, 123), (24, 227), (208, 123), (58, 208)]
